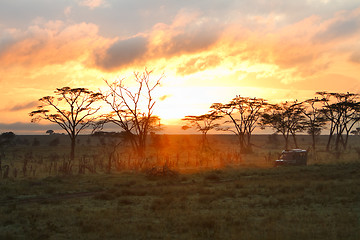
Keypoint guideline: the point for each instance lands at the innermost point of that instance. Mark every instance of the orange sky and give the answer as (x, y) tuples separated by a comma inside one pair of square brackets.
[(209, 51)]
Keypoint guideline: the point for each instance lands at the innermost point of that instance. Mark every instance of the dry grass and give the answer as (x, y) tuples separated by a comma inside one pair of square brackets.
[(232, 197)]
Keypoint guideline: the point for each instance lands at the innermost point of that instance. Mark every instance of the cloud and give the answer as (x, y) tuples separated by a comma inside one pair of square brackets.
[(190, 32), (67, 11), (24, 106), (194, 42), (92, 4), (342, 26), (47, 43), (339, 30), (7, 39), (198, 64), (355, 57), (121, 53), (286, 52), (190, 41)]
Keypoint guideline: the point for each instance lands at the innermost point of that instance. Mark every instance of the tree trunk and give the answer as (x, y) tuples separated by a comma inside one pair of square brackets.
[(286, 138), (67, 167), (248, 143), (204, 141), (329, 140), (295, 141), (313, 141), (337, 141), (241, 143), (347, 139), (72, 150)]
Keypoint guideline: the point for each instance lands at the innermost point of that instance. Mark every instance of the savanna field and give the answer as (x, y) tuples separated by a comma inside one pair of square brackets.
[(182, 190)]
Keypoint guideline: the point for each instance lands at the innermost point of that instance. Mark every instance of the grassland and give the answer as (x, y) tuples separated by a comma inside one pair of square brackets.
[(217, 194)]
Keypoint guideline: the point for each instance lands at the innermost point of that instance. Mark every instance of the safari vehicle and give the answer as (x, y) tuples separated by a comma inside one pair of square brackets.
[(292, 157)]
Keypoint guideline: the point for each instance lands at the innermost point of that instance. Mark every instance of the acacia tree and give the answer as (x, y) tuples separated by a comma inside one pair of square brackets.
[(132, 110), (243, 114), (343, 112), (315, 119), (285, 118), (50, 132), (202, 123), (73, 109)]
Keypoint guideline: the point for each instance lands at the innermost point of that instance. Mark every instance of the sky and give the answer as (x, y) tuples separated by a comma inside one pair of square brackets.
[(208, 51)]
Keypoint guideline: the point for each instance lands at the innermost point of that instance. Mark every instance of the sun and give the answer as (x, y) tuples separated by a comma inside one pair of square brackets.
[(178, 102)]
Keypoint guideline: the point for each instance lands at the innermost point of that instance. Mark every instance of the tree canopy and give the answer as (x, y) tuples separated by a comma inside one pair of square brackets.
[(73, 109)]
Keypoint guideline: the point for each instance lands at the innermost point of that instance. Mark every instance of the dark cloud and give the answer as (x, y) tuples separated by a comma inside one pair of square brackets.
[(20, 13), (23, 106), (122, 53), (191, 41), (338, 30), (199, 64)]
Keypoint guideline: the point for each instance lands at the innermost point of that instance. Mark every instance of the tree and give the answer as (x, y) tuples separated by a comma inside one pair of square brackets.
[(285, 118), (50, 132), (343, 112), (7, 138), (243, 113), (315, 119), (73, 109), (132, 111), (202, 123)]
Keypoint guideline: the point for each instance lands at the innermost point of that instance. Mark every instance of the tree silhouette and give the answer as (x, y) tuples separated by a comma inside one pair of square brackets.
[(315, 118), (132, 110), (202, 123), (343, 112), (50, 132), (72, 109), (285, 118), (243, 114)]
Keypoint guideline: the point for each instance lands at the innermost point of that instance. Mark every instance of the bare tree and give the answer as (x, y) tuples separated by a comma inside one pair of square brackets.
[(72, 109), (132, 110), (285, 118), (243, 114), (202, 123)]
